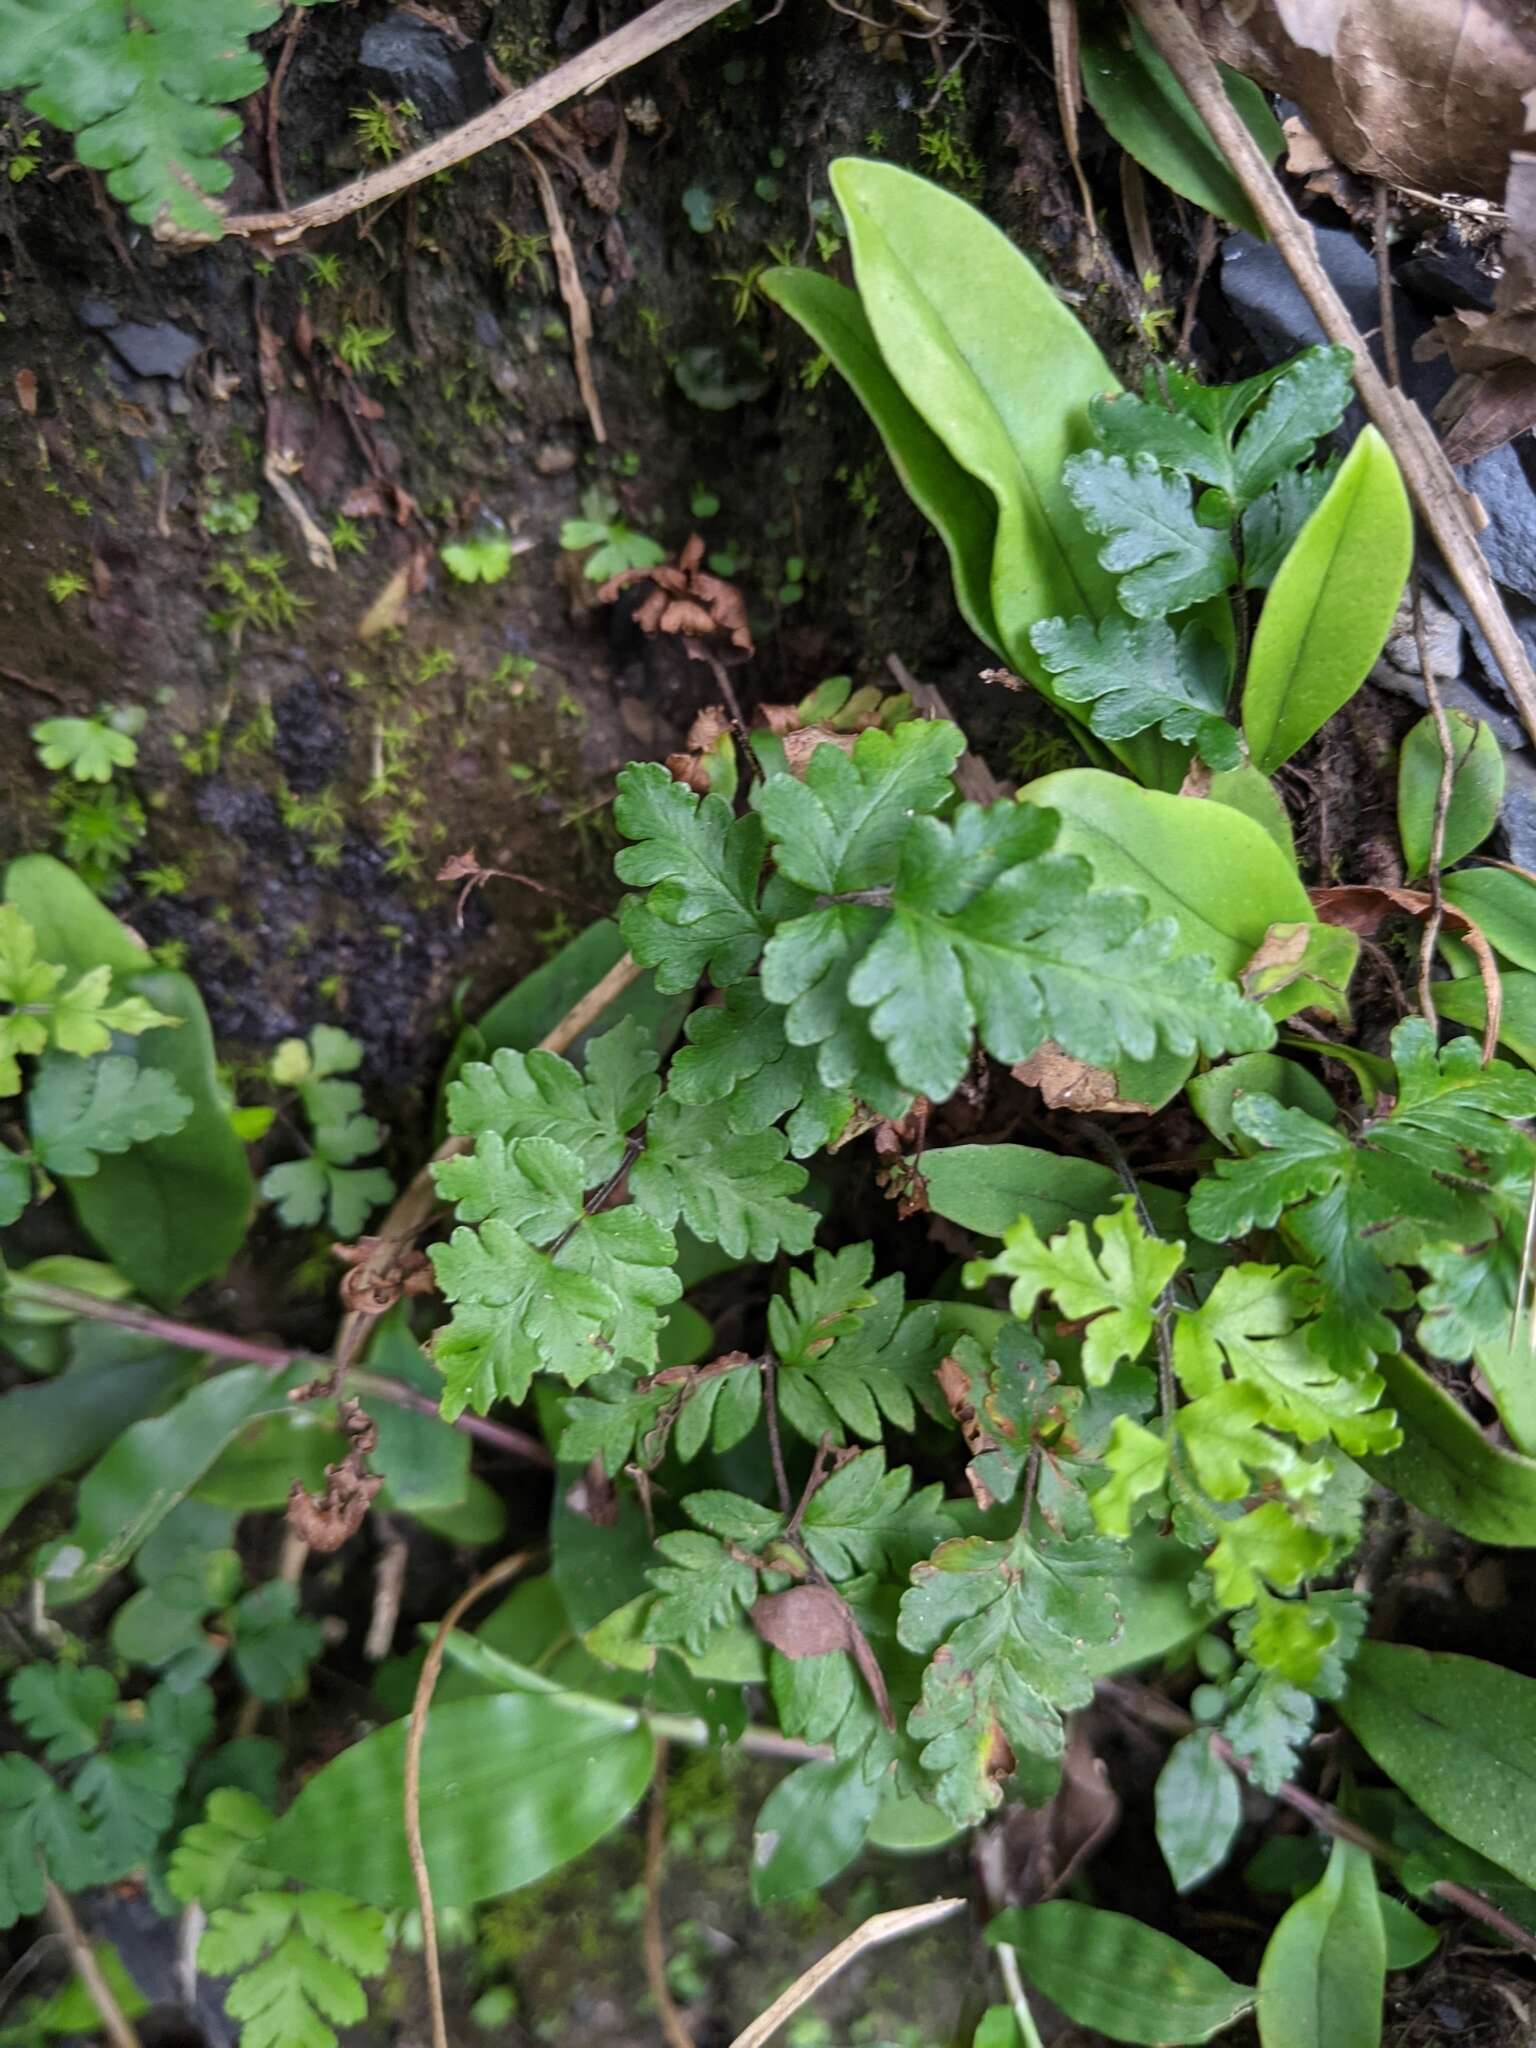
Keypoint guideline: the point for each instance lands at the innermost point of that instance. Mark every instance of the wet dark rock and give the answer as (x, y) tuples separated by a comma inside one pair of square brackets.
[(97, 313), (238, 811), (1446, 276), (1518, 813), (154, 349), (409, 59), (311, 737), (1262, 292), (488, 329), (147, 1944)]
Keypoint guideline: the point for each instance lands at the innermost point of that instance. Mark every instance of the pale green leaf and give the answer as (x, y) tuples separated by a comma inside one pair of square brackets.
[(1330, 606), (1324, 1971)]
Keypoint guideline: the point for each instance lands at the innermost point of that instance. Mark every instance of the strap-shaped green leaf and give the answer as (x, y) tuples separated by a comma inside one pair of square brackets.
[(1148, 113), (952, 500), (1324, 1971), (1330, 606), (1112, 1973)]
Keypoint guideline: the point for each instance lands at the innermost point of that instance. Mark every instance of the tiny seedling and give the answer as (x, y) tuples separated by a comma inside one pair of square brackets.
[(481, 558), (614, 542)]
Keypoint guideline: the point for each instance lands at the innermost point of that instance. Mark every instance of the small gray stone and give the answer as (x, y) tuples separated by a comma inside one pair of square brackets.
[(97, 313), (1518, 815), (158, 350), (1454, 695), (1265, 296), (487, 328), (1503, 486), (444, 81), (1442, 637)]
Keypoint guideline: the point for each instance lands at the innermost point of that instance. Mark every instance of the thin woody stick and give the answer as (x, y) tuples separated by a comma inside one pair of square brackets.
[(1442, 503), (654, 31)]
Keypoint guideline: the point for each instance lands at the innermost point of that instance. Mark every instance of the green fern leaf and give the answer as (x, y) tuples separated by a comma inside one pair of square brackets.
[(64, 1706), (1118, 1287), (850, 1353), (1005, 1626), (1164, 559), (41, 1830), (702, 1588), (1138, 675), (539, 1095), (1267, 1724), (737, 1054), (296, 1960), (736, 1192), (217, 1859), (700, 867), (143, 91), (867, 1519), (79, 1109), (1251, 1321), (129, 1793)]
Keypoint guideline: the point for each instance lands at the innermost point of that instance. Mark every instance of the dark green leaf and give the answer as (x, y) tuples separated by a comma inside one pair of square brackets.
[(512, 1787), (1112, 1973), (1503, 905), (1148, 113), (1446, 1467), (1273, 521), (810, 1828), (1164, 559), (1330, 606), (951, 499), (1459, 1736), (1324, 1972), (997, 365), (149, 1468), (1138, 673), (1477, 790), (172, 1213), (51, 1426), (1216, 873), (1199, 1810)]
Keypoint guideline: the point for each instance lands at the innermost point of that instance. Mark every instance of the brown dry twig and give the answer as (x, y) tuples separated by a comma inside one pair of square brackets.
[(1158, 1712), (672, 2026), (1442, 504), (296, 20), (1443, 795), (117, 2028), (881, 1927), (1362, 907), (466, 868), (655, 30), (416, 1735), (570, 290)]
